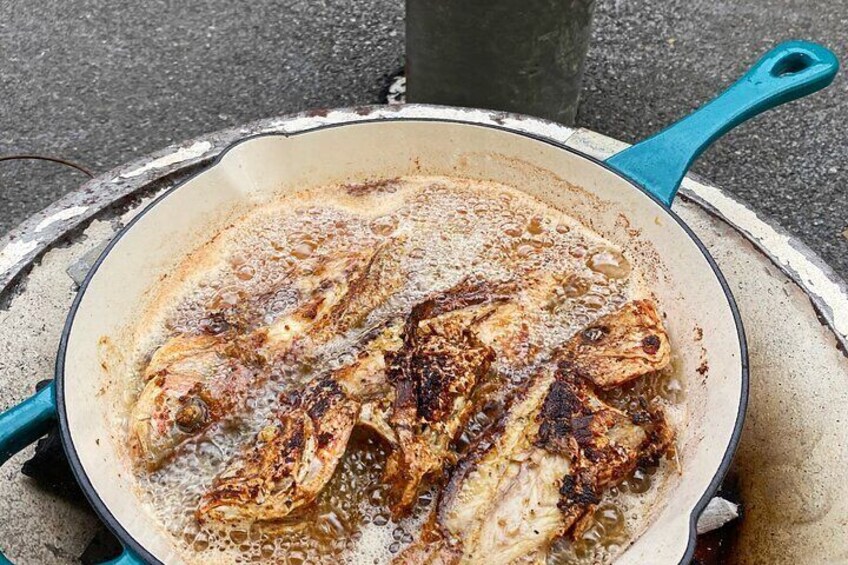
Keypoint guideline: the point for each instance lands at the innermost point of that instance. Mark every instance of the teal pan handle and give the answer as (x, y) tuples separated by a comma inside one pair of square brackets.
[(787, 72), (22, 425), (126, 558)]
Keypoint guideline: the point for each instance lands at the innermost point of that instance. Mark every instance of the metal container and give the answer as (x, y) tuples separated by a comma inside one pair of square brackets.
[(521, 56)]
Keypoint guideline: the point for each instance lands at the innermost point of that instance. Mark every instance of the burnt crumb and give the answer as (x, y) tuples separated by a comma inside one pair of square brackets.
[(649, 461), (592, 454), (567, 487), (576, 491), (324, 394), (699, 333), (295, 441), (641, 418), (651, 458), (319, 407), (372, 187), (703, 368), (582, 429), (651, 344), (553, 436)]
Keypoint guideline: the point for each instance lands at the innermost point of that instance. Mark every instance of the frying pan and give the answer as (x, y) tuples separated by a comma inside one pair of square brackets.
[(626, 199)]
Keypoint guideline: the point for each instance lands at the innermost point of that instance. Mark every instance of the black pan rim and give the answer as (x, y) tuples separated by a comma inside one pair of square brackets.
[(131, 543)]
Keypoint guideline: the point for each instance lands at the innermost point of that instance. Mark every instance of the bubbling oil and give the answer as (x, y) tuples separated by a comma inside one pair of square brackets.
[(348, 522), (436, 231)]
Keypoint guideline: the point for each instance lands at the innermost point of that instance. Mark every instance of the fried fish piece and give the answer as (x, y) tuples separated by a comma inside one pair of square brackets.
[(434, 376), (499, 323), (433, 380), (293, 457), (192, 382), (202, 379), (349, 289), (552, 474), (410, 383), (547, 462), (622, 346)]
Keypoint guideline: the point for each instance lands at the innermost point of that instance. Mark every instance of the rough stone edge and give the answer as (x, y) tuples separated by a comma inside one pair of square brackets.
[(827, 291)]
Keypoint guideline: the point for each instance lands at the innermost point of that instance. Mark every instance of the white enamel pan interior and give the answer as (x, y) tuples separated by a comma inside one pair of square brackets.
[(686, 284)]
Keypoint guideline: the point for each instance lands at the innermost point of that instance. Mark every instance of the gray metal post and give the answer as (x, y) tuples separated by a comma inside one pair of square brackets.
[(515, 55)]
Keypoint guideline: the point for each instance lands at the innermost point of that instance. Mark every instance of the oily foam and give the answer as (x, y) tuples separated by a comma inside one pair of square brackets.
[(437, 231)]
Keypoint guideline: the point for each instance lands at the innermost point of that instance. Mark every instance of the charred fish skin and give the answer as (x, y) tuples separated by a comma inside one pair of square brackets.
[(603, 444), (434, 376), (538, 471), (410, 383), (290, 461), (433, 383)]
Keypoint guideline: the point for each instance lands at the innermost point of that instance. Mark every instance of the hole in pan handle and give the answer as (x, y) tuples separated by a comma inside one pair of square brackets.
[(789, 71), (22, 425)]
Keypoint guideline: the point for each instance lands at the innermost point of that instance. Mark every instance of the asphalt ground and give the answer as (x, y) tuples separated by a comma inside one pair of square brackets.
[(101, 82)]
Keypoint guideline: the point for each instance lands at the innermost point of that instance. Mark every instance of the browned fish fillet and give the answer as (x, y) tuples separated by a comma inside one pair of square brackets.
[(410, 383), (549, 460), (291, 459), (434, 376), (202, 379)]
